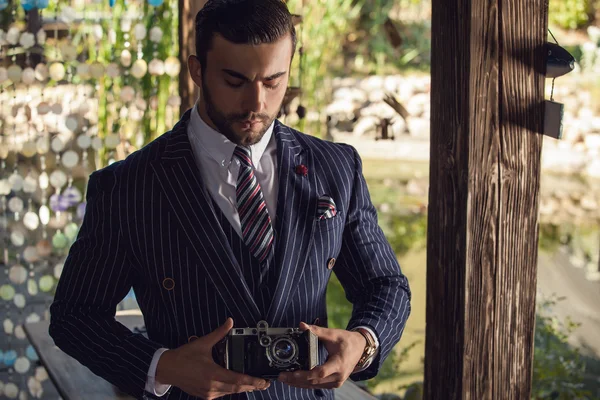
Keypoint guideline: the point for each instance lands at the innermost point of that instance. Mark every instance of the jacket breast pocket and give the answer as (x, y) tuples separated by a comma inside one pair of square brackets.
[(324, 225)]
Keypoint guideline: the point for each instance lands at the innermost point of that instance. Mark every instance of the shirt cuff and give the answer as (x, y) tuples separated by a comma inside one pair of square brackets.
[(376, 350), (152, 386)]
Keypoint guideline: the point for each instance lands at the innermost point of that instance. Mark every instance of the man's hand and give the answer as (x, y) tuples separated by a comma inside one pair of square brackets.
[(345, 349), (192, 369)]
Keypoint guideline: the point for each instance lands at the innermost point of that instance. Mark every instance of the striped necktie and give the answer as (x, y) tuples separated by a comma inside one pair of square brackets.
[(257, 230)]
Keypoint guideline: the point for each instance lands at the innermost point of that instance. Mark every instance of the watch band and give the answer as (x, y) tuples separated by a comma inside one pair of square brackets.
[(369, 350)]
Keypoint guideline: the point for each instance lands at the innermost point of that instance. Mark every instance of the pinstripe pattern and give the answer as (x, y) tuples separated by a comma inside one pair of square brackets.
[(261, 279), (254, 217), (151, 224)]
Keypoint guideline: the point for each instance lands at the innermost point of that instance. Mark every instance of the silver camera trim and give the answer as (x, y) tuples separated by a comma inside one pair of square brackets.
[(263, 332)]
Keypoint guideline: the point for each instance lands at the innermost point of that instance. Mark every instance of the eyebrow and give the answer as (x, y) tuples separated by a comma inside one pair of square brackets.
[(244, 78)]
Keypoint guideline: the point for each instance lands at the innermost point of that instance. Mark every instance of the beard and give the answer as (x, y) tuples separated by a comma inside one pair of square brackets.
[(225, 122)]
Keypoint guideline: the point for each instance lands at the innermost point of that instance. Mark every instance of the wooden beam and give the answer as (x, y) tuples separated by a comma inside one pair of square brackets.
[(34, 24), (487, 91), (188, 90)]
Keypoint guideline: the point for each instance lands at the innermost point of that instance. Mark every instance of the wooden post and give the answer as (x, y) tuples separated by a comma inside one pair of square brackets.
[(487, 81), (34, 24), (598, 252), (187, 45)]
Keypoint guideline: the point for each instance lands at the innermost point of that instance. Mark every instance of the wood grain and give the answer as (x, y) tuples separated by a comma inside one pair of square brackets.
[(486, 116), (188, 91), (71, 379)]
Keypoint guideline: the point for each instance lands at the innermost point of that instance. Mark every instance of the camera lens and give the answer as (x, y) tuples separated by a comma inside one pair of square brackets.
[(284, 350)]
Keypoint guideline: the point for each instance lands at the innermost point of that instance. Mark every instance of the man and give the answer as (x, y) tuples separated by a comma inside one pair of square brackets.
[(228, 219)]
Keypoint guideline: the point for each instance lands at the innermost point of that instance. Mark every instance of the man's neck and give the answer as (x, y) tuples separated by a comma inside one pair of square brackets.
[(204, 115)]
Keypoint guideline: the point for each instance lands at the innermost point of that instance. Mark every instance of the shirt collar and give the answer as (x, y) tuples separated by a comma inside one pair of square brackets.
[(217, 146)]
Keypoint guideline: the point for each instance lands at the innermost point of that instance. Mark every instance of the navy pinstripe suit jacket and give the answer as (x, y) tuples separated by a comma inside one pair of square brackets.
[(150, 225)]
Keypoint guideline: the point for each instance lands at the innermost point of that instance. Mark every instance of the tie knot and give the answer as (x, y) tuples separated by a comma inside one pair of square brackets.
[(244, 155)]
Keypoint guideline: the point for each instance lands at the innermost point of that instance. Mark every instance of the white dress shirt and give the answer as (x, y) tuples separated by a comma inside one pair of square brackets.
[(219, 170)]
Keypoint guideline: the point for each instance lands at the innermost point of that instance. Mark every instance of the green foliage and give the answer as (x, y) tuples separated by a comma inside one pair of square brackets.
[(416, 46), (375, 47), (153, 89), (558, 368), (367, 49), (166, 17), (549, 237), (5, 18), (392, 367), (154, 122), (339, 311), (569, 14), (414, 391), (581, 240), (407, 232), (324, 23)]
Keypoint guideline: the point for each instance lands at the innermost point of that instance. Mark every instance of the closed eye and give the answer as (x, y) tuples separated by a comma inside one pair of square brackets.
[(239, 85), (272, 87)]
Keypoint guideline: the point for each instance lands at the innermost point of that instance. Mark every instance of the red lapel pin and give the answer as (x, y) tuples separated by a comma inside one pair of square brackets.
[(301, 170)]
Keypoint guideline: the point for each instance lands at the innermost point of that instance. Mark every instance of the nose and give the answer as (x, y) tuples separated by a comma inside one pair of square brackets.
[(255, 98)]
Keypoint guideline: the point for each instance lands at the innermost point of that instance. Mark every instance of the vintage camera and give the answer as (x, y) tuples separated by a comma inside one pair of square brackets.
[(264, 352)]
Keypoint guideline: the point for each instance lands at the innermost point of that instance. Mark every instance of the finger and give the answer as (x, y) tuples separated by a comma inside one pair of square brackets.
[(331, 366), (304, 326), (229, 388), (301, 386), (332, 385), (294, 378), (231, 377), (313, 328), (218, 334), (322, 333), (219, 389), (336, 377), (290, 377), (332, 382)]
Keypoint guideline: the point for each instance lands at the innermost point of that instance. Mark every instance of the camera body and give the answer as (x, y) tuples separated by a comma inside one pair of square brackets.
[(264, 352)]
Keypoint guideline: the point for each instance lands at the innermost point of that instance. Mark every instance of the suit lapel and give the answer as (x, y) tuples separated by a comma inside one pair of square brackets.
[(180, 180), (296, 211)]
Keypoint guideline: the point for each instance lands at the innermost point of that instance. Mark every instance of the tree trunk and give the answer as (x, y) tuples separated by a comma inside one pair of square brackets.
[(487, 114), (188, 90)]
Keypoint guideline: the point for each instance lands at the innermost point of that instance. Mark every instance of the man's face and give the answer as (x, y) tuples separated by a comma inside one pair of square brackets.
[(242, 82)]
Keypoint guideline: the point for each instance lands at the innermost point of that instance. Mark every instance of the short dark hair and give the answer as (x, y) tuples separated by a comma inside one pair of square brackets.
[(242, 22)]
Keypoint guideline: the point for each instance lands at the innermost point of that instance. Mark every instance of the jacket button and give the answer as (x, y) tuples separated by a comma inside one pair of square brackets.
[(192, 338), (330, 263), (319, 393), (168, 283)]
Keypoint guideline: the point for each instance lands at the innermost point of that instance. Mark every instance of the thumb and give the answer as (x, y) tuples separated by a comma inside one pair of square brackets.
[(215, 336), (313, 328)]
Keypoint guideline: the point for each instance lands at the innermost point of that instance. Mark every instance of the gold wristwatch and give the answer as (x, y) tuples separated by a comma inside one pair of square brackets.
[(370, 347)]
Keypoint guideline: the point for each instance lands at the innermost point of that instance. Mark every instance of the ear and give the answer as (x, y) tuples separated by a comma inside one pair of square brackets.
[(195, 70)]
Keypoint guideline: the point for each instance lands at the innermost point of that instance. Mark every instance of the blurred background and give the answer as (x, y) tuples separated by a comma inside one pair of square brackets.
[(84, 83)]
